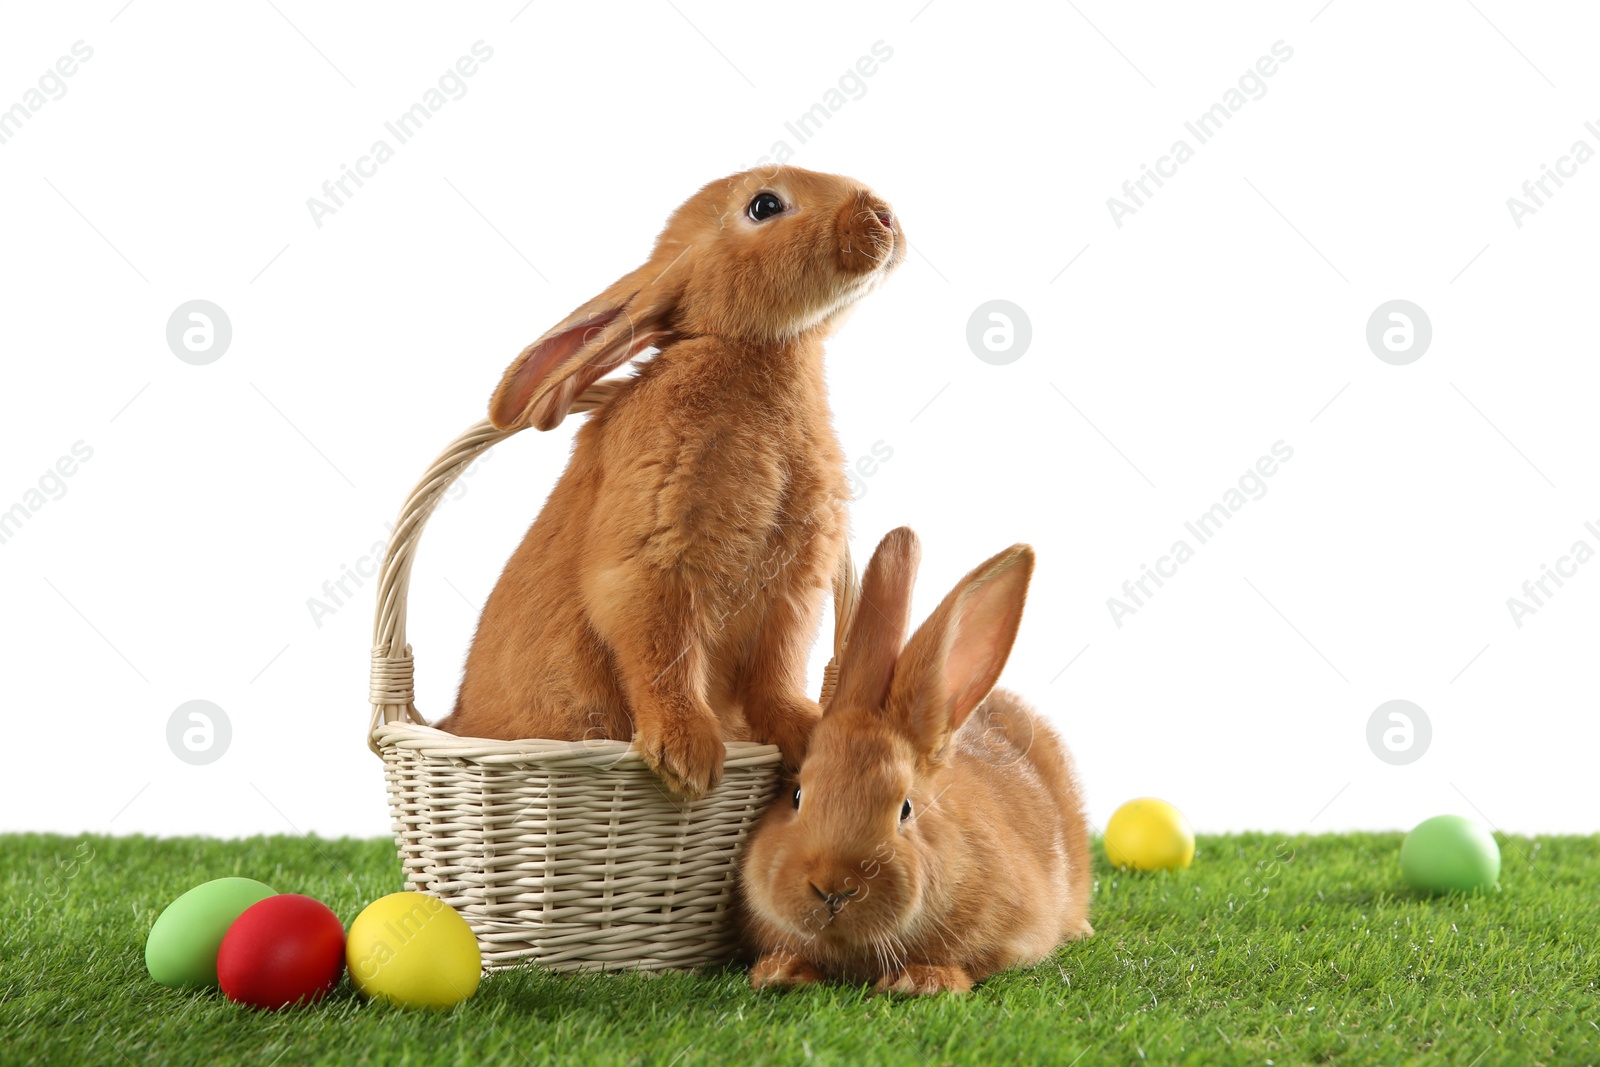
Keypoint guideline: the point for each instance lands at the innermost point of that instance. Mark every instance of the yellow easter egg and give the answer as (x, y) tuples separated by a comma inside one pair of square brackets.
[(413, 950), (1149, 835)]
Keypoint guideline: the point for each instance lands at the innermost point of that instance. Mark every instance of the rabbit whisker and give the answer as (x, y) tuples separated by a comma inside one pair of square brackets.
[(940, 929), (897, 957)]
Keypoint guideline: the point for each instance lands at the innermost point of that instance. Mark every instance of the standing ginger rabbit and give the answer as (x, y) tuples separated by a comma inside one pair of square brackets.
[(937, 835), (671, 588)]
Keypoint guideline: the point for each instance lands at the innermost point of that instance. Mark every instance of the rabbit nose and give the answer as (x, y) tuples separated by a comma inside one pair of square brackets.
[(886, 218), (835, 899)]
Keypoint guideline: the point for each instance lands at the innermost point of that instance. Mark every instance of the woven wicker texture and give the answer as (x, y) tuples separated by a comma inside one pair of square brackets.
[(569, 854)]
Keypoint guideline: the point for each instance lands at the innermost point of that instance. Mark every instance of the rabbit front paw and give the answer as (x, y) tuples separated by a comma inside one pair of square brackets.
[(786, 722), (922, 979), (686, 752), (782, 970)]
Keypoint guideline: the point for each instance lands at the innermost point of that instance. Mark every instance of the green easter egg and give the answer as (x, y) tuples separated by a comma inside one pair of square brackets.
[(181, 950), (1449, 853)]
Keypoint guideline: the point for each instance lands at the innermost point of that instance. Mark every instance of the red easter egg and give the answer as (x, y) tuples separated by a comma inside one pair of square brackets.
[(282, 950)]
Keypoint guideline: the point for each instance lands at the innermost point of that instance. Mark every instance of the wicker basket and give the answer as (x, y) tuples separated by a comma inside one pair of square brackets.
[(566, 853)]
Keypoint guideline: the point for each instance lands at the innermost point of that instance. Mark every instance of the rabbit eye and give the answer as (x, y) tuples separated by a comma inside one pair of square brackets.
[(905, 810), (764, 206), (797, 800)]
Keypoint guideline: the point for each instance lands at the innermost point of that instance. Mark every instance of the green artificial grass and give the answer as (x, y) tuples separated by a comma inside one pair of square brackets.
[(1269, 950)]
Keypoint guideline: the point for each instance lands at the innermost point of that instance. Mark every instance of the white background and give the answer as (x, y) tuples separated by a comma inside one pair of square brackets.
[(1227, 314)]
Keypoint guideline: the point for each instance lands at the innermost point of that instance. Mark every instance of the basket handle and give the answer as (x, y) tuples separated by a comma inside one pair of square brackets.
[(392, 688), (846, 597)]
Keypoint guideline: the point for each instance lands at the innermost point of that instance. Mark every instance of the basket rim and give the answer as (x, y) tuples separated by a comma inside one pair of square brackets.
[(430, 742)]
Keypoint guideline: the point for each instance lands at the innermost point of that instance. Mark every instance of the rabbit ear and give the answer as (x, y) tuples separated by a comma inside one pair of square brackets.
[(954, 659), (634, 313), (883, 615)]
